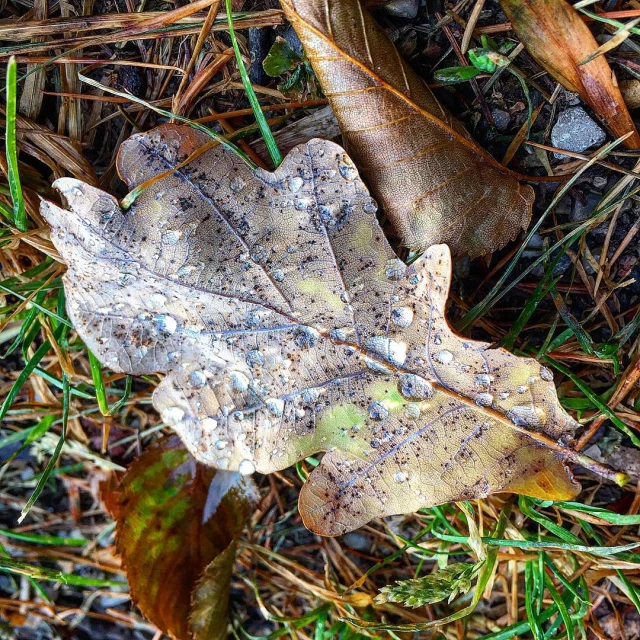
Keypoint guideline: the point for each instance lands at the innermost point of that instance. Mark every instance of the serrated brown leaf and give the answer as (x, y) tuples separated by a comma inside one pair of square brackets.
[(285, 325), (558, 39), (431, 178), (177, 525)]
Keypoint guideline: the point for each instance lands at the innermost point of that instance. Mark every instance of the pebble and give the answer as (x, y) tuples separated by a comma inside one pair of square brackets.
[(357, 541), (575, 131), (501, 118), (402, 8)]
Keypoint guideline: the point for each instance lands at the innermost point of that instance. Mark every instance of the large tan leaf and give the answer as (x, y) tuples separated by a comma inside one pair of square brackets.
[(285, 325), (557, 38), (432, 180)]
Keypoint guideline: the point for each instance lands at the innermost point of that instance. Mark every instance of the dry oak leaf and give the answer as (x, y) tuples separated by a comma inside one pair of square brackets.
[(431, 178), (285, 325)]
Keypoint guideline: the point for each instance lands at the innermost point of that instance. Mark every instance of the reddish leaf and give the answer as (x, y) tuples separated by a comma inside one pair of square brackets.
[(170, 530)]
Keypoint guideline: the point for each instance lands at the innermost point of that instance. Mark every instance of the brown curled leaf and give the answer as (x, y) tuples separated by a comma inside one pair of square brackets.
[(177, 526), (285, 325), (431, 178), (558, 39)]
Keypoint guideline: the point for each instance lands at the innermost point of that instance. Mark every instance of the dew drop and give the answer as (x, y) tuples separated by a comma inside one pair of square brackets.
[(390, 350), (239, 382), (140, 352), (302, 204), (504, 395), (376, 366), (523, 389), (338, 335), (209, 424), (237, 184), (413, 387), (275, 406), (278, 275), (156, 300), (184, 272), (412, 410), (377, 411), (347, 169), (251, 319), (329, 215), (220, 444), (310, 396), (197, 379), (546, 374), (165, 324), (523, 416), (402, 317), (172, 415), (246, 467), (259, 254), (483, 380), (400, 476), (306, 337), (370, 206), (484, 399), (444, 356), (296, 183), (255, 358), (395, 269), (171, 237), (375, 443)]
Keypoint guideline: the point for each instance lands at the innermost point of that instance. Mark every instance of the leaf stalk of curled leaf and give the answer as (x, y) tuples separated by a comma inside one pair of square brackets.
[(284, 325)]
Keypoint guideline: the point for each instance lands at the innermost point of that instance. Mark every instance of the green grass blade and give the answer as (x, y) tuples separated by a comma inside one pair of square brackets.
[(265, 130), (98, 383), (594, 399), (532, 597), (55, 541), (40, 573), (32, 434), (56, 454), (19, 213), (40, 353)]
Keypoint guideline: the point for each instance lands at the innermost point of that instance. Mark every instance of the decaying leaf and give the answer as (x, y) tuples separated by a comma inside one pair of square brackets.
[(557, 38), (177, 525), (285, 325), (431, 179)]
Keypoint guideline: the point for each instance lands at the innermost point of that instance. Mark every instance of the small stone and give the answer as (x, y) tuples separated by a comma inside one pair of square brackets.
[(599, 182), (501, 118), (564, 264), (583, 209), (462, 268), (402, 8), (575, 131)]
